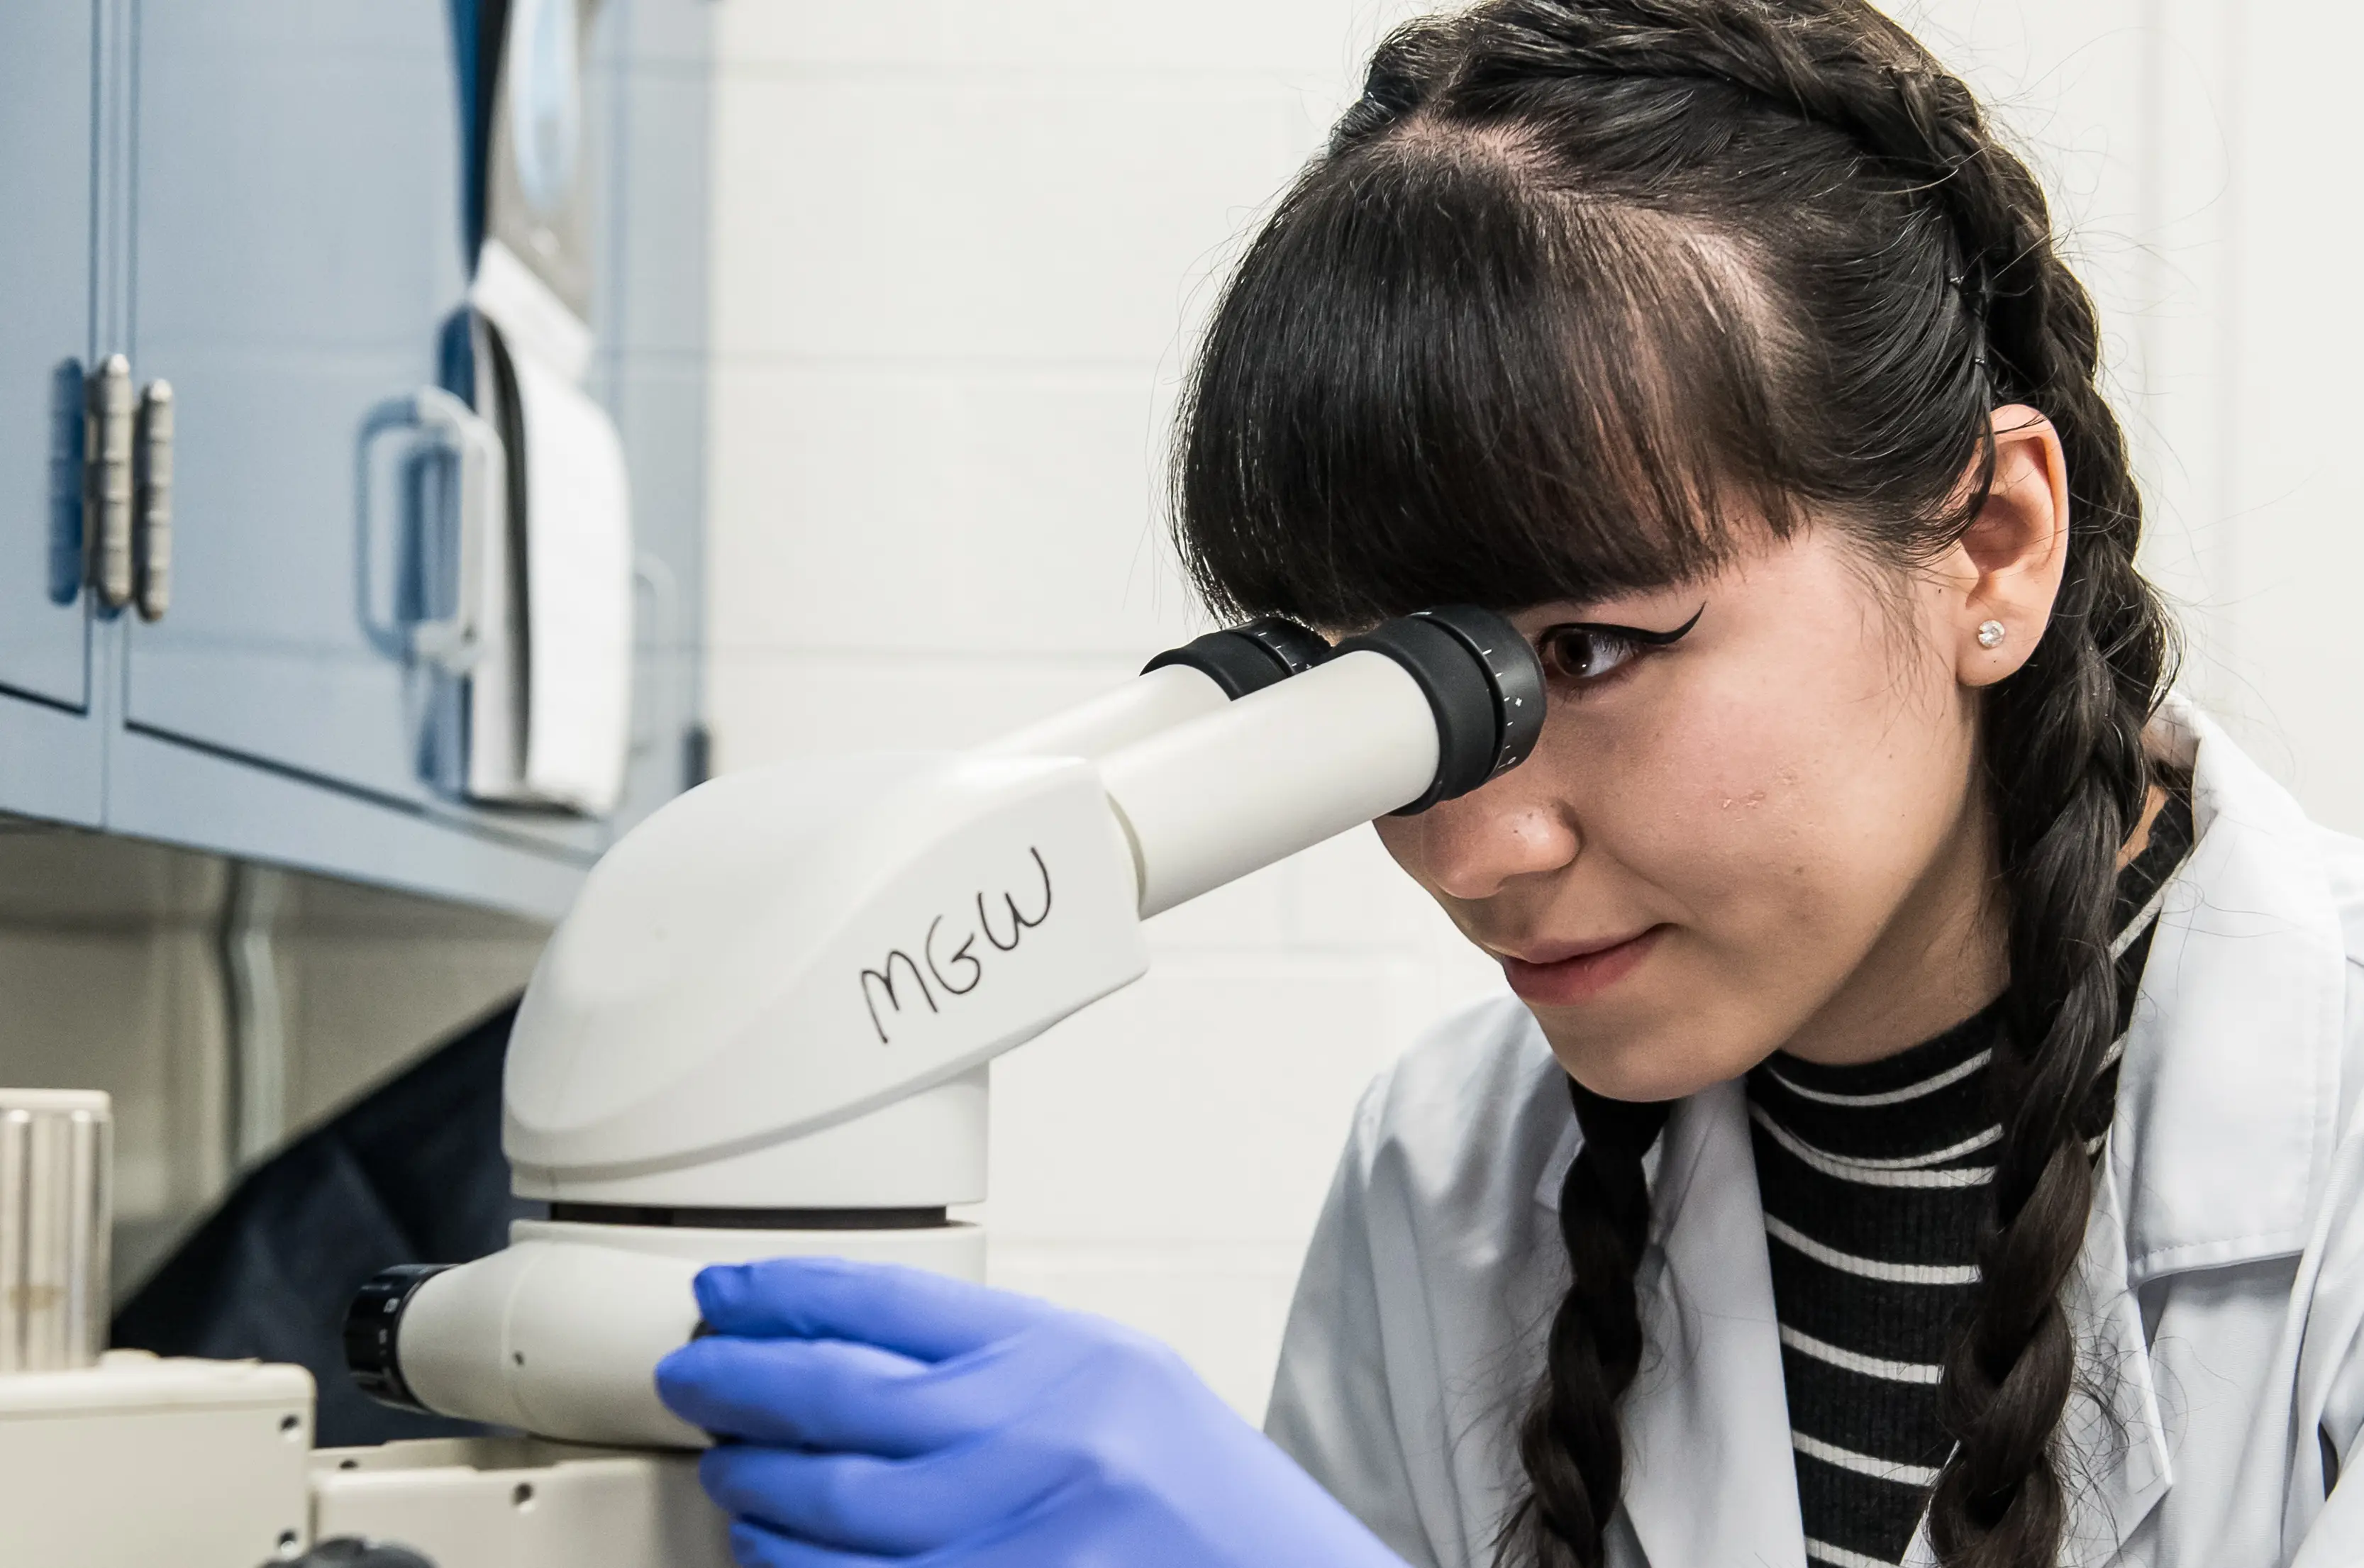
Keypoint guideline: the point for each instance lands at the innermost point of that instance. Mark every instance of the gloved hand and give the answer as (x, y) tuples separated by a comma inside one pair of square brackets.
[(884, 1415)]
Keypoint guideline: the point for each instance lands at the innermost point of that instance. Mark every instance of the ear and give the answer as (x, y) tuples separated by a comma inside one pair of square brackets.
[(2005, 568)]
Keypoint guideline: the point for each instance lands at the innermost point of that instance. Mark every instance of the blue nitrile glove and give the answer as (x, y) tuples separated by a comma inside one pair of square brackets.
[(885, 1415)]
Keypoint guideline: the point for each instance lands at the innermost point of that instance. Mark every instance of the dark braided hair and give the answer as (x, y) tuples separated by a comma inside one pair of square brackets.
[(1576, 282)]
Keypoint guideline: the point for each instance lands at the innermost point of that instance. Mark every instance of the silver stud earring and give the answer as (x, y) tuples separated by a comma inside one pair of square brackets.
[(1991, 633)]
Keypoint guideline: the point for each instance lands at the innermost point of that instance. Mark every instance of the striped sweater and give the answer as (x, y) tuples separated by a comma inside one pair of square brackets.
[(1874, 1180)]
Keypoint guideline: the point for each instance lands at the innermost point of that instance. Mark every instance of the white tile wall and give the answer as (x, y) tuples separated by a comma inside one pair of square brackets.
[(2197, 150), (960, 252)]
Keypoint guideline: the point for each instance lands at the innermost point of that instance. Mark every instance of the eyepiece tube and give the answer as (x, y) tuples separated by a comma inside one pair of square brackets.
[(1483, 684), (1182, 683), (1419, 710)]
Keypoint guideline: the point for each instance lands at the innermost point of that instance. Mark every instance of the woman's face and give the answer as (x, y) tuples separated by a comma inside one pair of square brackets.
[(1764, 834)]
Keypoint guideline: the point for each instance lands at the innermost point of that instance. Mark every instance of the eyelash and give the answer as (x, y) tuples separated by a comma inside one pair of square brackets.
[(1628, 642)]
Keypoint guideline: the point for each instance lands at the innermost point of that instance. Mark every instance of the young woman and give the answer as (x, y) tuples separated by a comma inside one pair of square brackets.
[(1924, 1131)]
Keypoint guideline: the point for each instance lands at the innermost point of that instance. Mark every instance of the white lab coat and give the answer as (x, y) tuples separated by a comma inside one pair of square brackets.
[(2219, 1301)]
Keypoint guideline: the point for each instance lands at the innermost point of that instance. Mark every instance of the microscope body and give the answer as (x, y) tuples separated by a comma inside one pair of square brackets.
[(763, 1029)]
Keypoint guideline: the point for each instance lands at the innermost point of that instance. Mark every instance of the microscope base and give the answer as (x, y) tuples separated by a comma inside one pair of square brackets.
[(139, 1461), (520, 1503)]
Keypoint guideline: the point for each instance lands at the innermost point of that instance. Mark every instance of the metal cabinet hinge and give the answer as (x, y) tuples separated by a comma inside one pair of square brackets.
[(106, 480), (126, 517), (152, 551)]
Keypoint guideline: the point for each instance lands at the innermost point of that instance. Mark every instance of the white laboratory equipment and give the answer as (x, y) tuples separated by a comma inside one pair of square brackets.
[(764, 1029)]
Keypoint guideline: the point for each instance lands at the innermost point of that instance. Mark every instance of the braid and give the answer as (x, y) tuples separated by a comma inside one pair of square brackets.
[(1569, 1439), (2067, 776), (1910, 259)]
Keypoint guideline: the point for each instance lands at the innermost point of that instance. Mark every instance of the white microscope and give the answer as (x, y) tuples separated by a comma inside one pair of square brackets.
[(764, 1030)]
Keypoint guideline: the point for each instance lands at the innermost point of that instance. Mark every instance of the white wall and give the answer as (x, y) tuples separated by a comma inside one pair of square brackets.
[(959, 248)]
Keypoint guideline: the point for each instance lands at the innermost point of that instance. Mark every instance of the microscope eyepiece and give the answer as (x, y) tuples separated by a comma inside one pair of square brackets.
[(1483, 683), (373, 1330), (1249, 657)]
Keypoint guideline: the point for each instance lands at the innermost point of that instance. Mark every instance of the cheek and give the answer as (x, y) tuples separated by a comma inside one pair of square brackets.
[(1795, 800), (1778, 821)]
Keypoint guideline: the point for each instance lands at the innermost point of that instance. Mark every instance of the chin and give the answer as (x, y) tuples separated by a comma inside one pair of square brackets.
[(1634, 1065)]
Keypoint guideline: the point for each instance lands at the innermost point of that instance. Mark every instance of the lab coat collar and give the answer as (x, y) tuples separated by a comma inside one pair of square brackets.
[(2222, 1136), (2229, 1093)]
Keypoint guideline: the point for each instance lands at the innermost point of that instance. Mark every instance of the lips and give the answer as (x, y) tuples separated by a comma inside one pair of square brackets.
[(1562, 973)]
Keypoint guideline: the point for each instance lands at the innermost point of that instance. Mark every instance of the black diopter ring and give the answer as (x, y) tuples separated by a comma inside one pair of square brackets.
[(1249, 657), (1513, 670)]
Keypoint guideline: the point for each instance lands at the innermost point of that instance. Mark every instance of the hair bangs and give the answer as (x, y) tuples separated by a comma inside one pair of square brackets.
[(1434, 378)]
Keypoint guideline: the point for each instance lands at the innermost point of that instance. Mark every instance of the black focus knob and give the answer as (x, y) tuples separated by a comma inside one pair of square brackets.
[(374, 1329), (1249, 657), (1483, 683)]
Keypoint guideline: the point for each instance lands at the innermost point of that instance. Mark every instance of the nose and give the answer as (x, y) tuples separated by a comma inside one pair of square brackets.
[(1470, 848)]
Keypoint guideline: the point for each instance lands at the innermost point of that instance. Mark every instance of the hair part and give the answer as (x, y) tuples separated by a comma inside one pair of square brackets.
[(1579, 292)]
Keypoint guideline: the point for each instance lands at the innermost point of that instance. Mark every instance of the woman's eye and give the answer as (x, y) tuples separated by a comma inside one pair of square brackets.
[(1580, 653)]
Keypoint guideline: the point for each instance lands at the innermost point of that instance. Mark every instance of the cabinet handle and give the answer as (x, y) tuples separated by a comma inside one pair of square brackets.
[(457, 644), (478, 492), (152, 541), (106, 480)]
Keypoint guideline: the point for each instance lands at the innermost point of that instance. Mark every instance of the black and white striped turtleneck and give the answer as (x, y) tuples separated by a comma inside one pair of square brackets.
[(1874, 1181)]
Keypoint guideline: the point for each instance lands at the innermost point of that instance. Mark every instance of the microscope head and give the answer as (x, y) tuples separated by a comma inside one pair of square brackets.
[(791, 948)]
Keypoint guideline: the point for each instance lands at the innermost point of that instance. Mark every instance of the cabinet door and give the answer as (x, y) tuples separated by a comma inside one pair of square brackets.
[(298, 249), (45, 333)]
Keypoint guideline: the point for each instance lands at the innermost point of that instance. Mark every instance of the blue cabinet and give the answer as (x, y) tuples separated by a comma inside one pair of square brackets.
[(297, 247), (50, 752), (265, 203)]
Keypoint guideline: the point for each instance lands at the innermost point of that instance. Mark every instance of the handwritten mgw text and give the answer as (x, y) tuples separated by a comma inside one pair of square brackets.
[(949, 964)]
